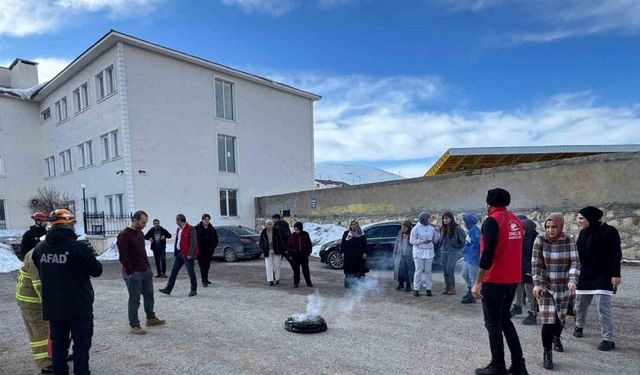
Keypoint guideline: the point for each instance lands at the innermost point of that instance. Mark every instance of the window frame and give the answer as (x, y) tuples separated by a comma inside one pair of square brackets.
[(44, 119), (85, 154), (4, 210), (50, 164), (232, 86), (3, 171), (105, 83), (225, 138), (226, 205), (65, 159), (111, 150), (81, 98)]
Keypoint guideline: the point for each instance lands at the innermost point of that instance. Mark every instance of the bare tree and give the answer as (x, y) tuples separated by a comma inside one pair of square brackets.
[(49, 198)]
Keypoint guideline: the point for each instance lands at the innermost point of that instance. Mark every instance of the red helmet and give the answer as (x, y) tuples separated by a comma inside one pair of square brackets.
[(62, 216), (39, 216)]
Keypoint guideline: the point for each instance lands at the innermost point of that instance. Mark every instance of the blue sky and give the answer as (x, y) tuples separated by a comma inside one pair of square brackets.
[(402, 81)]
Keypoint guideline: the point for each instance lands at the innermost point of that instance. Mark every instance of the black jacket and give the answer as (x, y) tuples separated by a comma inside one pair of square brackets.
[(278, 244), (207, 240), (30, 239), (530, 234), (285, 232), (163, 243), (600, 256), (65, 266), (353, 250)]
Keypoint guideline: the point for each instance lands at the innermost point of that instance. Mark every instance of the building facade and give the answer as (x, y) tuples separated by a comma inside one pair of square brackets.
[(141, 126)]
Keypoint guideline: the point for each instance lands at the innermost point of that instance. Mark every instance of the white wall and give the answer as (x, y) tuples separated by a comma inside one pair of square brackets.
[(101, 117), (174, 139), (20, 148)]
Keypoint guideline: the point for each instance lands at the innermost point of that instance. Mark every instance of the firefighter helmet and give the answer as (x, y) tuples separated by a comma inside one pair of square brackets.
[(62, 216), (39, 216)]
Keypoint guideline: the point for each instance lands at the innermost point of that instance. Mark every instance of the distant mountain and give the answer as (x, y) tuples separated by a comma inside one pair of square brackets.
[(353, 174)]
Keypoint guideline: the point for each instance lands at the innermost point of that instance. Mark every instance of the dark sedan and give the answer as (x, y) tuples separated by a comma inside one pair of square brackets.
[(236, 242), (381, 238)]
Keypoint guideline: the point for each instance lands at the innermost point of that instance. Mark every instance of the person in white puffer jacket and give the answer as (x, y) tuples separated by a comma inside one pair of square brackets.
[(422, 237)]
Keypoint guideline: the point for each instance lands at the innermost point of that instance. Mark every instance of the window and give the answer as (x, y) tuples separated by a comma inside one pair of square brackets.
[(92, 205), (226, 153), (228, 202), (375, 232), (65, 160), (85, 154), (3, 215), (224, 100), (45, 115), (110, 146), (115, 204), (2, 172), (80, 98), (50, 166), (391, 231), (61, 110), (104, 83)]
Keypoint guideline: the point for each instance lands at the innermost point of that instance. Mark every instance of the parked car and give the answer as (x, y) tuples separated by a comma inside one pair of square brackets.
[(236, 242), (381, 238)]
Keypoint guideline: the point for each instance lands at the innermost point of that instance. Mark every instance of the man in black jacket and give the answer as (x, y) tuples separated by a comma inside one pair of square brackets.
[(207, 242), (65, 266), (158, 237), (31, 237)]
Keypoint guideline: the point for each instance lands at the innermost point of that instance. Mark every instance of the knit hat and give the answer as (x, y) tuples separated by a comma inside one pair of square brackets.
[(498, 197), (298, 225), (592, 214)]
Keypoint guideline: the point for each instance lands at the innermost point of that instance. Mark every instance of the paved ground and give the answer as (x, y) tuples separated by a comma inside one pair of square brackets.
[(236, 327)]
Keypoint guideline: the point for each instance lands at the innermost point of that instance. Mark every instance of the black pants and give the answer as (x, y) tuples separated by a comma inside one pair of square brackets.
[(204, 262), (549, 331), (297, 260), (160, 256), (496, 303), (81, 331)]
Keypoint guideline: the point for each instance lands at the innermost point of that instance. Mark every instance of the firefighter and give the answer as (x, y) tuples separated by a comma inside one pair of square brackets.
[(31, 237), (28, 295), (66, 266)]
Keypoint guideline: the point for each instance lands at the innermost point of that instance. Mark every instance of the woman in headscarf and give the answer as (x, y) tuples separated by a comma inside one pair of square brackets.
[(600, 256), (273, 249), (354, 247), (403, 266), (422, 237), (451, 244), (555, 271)]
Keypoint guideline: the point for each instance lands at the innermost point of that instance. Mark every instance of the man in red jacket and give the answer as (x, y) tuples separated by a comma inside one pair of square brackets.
[(137, 273), (499, 273), (185, 253)]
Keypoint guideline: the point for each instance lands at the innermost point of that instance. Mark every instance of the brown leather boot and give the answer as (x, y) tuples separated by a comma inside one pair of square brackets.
[(445, 290), (452, 291)]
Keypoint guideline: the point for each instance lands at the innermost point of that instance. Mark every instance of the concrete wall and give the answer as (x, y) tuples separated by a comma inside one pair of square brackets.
[(174, 139), (608, 181), (20, 149)]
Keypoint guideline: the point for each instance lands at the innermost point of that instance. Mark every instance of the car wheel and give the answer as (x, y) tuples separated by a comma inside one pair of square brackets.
[(335, 260), (230, 255)]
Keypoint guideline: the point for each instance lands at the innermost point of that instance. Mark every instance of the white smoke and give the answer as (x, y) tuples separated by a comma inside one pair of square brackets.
[(355, 295), (314, 306)]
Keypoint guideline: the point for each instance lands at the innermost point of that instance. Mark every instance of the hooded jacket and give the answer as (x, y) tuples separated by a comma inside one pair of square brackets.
[(65, 267), (471, 251), (530, 234), (30, 239), (600, 257)]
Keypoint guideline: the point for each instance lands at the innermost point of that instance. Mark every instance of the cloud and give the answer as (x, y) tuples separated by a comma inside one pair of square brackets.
[(277, 8), (394, 121), (551, 20), (20, 18)]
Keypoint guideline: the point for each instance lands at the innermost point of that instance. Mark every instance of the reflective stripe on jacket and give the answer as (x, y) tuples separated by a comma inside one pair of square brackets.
[(28, 285)]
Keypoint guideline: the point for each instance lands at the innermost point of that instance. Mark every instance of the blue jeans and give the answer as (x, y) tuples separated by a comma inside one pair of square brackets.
[(140, 283), (81, 332), (469, 273), (449, 259), (178, 262)]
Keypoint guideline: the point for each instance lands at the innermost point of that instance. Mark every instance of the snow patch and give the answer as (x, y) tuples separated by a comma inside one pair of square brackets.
[(112, 252), (24, 94), (8, 260), (11, 233), (322, 233)]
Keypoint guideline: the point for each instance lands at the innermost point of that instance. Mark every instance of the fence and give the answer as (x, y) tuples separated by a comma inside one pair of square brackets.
[(101, 224)]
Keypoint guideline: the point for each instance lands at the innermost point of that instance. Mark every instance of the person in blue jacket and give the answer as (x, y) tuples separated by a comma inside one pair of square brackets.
[(471, 255)]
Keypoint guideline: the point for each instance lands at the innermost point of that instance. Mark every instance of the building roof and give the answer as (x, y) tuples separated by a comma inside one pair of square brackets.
[(466, 159), (113, 37), (332, 183)]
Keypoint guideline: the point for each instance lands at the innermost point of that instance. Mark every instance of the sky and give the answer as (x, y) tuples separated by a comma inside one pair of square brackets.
[(401, 81)]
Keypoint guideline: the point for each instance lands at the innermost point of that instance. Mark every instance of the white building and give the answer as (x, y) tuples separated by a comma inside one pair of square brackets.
[(147, 127)]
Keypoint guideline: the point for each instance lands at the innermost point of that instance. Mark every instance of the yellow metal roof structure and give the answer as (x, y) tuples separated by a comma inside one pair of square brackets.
[(468, 159)]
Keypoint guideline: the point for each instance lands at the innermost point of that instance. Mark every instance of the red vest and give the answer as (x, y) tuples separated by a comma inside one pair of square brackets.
[(507, 261), (185, 242)]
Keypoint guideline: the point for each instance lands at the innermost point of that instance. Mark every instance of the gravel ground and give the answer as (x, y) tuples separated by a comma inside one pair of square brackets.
[(236, 327)]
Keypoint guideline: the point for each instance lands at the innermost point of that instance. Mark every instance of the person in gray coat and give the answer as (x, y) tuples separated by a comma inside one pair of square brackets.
[(451, 243), (403, 266)]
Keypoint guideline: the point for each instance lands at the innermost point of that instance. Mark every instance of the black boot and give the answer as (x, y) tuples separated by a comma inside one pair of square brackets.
[(468, 298), (193, 293), (578, 332), (515, 310), (416, 293), (518, 368), (429, 294), (491, 369), (407, 287), (400, 286), (557, 344), (547, 360)]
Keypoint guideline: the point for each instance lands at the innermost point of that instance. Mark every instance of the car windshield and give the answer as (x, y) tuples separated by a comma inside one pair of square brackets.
[(242, 231)]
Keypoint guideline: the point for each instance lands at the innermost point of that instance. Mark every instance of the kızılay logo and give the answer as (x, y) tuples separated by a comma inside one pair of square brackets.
[(514, 231)]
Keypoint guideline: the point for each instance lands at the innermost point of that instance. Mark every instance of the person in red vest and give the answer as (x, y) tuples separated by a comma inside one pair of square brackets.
[(185, 253), (499, 273)]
